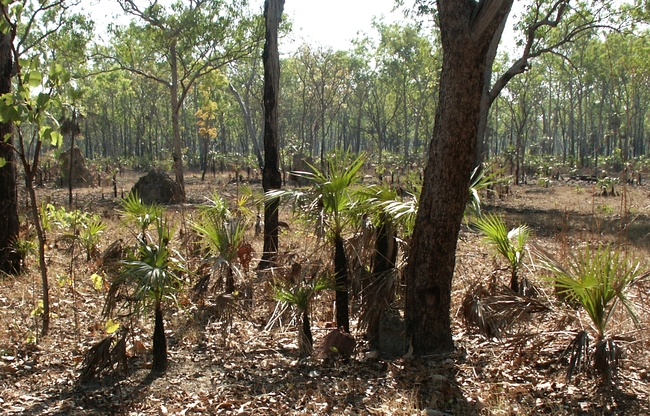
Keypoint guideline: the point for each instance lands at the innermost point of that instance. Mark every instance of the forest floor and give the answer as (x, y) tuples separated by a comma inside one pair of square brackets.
[(229, 361)]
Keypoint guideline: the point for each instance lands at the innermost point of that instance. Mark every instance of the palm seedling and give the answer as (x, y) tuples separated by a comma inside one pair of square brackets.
[(151, 276), (137, 213), (90, 234), (24, 246), (510, 244), (221, 236), (330, 198), (599, 281), (300, 295)]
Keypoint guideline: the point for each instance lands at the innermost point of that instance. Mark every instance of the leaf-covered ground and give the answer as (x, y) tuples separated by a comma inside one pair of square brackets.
[(225, 359)]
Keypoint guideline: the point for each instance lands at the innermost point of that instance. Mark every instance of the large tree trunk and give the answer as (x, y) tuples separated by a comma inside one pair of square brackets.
[(9, 223), (467, 30), (271, 176)]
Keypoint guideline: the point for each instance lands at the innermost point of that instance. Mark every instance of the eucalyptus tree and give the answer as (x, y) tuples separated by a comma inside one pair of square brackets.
[(325, 75), (9, 223), (178, 45), (26, 27), (470, 33), (271, 176), (545, 26), (410, 61)]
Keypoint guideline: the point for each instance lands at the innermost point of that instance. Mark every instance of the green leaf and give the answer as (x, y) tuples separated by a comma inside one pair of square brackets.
[(3, 162), (34, 78), (111, 326), (38, 310), (43, 100), (5, 27), (98, 281), (56, 70), (17, 10)]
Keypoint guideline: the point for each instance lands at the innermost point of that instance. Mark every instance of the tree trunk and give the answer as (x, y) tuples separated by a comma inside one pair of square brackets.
[(178, 152), (341, 278), (9, 222), (467, 30), (271, 176), (306, 340), (384, 260), (159, 342)]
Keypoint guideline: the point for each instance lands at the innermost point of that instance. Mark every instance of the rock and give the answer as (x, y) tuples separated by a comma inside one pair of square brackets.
[(391, 334), (300, 163), (337, 343), (81, 176), (157, 187)]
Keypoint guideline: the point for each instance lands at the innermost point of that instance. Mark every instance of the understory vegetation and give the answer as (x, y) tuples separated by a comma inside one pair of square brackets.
[(573, 335)]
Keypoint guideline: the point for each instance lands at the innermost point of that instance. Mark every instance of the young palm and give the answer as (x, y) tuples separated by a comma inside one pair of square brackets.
[(222, 239), (599, 281), (152, 275), (331, 197), (511, 244), (222, 234), (137, 213), (300, 295)]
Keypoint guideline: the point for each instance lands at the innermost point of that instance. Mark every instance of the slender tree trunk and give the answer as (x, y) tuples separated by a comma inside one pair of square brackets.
[(249, 125), (30, 172), (74, 121), (9, 222), (178, 152), (271, 176), (467, 30), (159, 341)]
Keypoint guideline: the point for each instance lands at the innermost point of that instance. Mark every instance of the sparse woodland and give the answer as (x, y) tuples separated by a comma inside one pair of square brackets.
[(139, 271)]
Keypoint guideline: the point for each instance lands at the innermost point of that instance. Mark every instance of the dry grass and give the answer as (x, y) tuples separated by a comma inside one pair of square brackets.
[(223, 361)]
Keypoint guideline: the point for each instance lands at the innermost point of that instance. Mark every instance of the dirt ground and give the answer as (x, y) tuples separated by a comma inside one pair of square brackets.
[(229, 361)]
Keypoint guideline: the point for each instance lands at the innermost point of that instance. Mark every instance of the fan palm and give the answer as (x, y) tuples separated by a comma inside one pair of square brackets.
[(140, 214), (152, 274), (331, 197), (510, 244), (599, 281), (222, 239), (300, 295)]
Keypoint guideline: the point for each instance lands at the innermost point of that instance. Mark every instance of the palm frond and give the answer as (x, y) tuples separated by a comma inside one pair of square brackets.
[(510, 244), (598, 280)]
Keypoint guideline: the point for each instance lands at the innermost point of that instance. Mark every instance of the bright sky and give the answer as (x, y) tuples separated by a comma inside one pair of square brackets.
[(331, 23), (335, 23)]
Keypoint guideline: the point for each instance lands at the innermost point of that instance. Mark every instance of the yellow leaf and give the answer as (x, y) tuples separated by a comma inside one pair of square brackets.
[(112, 326), (98, 281)]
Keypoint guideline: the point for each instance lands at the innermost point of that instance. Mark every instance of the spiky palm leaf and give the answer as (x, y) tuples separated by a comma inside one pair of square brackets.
[(138, 213), (510, 244), (599, 281), (299, 296), (402, 209)]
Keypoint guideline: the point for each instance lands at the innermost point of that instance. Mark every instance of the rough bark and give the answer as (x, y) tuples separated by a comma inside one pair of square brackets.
[(159, 342), (9, 222), (384, 260), (467, 30), (271, 176)]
